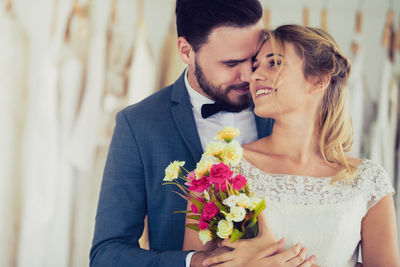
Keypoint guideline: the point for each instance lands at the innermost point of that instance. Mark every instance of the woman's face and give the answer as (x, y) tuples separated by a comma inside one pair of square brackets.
[(279, 87)]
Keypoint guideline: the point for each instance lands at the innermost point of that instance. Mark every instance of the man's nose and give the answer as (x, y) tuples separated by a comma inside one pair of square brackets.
[(246, 72)]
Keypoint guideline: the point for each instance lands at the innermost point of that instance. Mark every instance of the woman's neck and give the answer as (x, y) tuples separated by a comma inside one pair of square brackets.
[(294, 138)]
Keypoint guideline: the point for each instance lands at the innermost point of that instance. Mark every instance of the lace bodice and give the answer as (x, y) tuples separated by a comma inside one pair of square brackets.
[(324, 217)]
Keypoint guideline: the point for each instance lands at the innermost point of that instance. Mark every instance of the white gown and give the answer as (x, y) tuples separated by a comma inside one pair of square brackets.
[(323, 217)]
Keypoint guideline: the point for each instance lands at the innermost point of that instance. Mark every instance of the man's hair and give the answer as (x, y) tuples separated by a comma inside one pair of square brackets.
[(196, 19)]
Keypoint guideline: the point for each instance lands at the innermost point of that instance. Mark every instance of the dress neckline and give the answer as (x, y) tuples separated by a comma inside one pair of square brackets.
[(244, 160)]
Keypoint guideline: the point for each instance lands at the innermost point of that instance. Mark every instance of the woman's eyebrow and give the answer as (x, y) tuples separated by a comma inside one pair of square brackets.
[(272, 54)]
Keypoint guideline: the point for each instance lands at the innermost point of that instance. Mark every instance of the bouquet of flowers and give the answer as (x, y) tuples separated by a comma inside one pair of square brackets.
[(220, 195)]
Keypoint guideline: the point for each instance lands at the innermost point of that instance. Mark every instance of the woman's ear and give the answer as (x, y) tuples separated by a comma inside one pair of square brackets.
[(185, 51), (320, 84)]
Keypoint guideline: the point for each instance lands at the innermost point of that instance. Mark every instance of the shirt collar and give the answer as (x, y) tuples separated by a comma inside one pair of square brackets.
[(196, 98)]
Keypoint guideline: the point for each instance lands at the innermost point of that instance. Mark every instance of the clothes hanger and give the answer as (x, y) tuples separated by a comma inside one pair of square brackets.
[(140, 13), (266, 16), (397, 39), (388, 35), (355, 46), (306, 16), (9, 5), (324, 16)]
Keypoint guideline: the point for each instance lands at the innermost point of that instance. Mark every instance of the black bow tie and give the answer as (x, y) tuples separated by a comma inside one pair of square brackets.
[(208, 110)]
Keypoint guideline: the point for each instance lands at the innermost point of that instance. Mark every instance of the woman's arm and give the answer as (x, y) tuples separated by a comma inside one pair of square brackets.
[(379, 245)]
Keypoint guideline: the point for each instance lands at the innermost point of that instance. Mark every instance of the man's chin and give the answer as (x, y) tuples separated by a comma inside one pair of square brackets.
[(237, 106)]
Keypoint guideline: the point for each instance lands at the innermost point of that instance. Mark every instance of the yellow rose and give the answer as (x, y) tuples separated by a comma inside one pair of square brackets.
[(205, 236), (215, 149), (236, 214), (243, 201), (233, 153), (203, 167), (225, 229), (227, 134), (173, 170)]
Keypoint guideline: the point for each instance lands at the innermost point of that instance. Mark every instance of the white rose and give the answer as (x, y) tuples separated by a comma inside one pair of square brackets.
[(230, 201), (236, 214), (243, 201), (205, 236), (225, 229)]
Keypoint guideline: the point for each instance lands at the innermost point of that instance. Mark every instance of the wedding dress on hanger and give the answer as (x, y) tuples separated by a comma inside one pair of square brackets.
[(13, 73)]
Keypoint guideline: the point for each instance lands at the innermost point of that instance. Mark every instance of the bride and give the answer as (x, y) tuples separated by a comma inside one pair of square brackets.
[(321, 204)]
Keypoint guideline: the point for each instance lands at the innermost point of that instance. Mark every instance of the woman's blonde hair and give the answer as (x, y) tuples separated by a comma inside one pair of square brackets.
[(323, 58)]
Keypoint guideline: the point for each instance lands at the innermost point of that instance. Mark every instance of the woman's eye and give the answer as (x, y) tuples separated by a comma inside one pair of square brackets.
[(272, 63)]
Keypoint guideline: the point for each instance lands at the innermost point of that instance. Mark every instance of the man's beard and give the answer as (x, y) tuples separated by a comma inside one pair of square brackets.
[(220, 95)]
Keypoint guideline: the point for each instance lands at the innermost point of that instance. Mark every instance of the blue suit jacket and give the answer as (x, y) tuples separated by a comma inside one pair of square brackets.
[(147, 137)]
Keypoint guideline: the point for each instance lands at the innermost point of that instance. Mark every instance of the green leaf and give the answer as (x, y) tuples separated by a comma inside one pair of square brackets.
[(182, 211), (259, 208), (194, 217), (222, 195), (236, 234), (198, 204), (193, 226), (220, 206)]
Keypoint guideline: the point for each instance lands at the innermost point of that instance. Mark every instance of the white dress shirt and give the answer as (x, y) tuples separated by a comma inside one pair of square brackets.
[(208, 128)]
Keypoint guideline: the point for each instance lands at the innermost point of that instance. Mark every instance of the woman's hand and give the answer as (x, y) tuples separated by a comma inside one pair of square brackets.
[(262, 250), (267, 256)]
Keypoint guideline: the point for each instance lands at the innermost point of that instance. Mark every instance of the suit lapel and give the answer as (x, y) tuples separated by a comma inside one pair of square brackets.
[(264, 126), (182, 114)]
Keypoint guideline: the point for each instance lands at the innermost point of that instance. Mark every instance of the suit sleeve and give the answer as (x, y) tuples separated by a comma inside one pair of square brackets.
[(122, 208)]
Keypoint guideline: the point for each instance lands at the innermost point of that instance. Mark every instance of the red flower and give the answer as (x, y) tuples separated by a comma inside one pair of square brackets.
[(223, 187), (239, 182), (209, 211), (199, 185), (203, 225), (219, 173), (194, 208)]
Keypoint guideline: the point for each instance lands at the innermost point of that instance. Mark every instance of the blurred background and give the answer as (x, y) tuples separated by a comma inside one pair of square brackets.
[(67, 67)]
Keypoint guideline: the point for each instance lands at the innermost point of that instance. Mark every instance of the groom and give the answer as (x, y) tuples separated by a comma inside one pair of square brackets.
[(217, 41)]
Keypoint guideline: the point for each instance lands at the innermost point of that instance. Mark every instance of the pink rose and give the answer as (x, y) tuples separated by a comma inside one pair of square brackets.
[(194, 208), (191, 176), (219, 173), (209, 211), (223, 187), (203, 225), (199, 185), (239, 182)]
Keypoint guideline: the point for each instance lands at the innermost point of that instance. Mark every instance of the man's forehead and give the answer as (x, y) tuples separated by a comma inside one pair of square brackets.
[(229, 42)]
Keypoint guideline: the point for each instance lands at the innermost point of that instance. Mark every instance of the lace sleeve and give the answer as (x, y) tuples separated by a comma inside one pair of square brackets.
[(376, 183)]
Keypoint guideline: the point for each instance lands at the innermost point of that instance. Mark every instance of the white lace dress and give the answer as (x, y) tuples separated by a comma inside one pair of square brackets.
[(323, 217)]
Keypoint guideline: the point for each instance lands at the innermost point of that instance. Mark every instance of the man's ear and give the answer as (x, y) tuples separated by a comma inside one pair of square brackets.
[(185, 51), (320, 84)]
